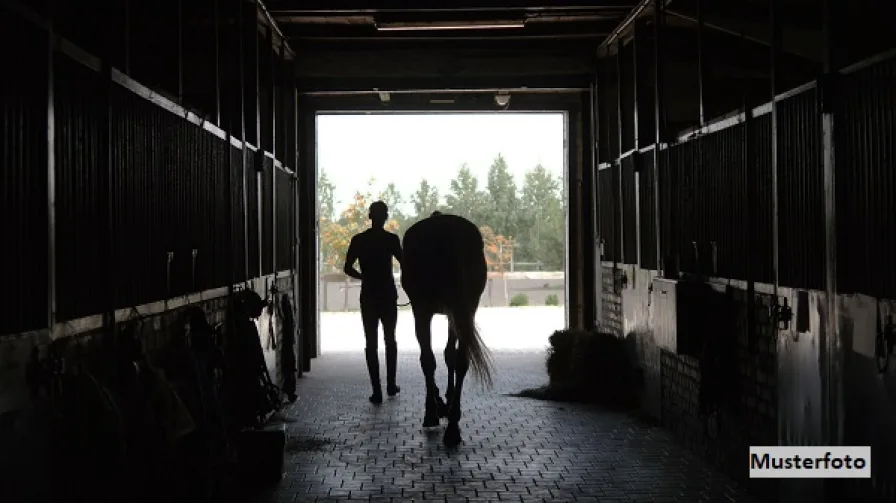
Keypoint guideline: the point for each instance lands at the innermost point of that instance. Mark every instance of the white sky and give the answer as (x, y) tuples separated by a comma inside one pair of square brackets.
[(404, 148)]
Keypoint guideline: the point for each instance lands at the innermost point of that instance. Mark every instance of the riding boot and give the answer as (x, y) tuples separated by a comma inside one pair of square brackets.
[(373, 367), (391, 362)]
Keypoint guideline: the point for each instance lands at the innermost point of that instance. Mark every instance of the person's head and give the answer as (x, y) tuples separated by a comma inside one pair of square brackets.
[(379, 213), (436, 213)]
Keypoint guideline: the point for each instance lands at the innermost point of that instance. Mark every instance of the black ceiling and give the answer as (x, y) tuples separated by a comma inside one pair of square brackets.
[(330, 24)]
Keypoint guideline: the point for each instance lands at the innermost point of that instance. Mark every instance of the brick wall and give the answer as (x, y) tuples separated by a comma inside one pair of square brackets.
[(748, 417), (612, 315)]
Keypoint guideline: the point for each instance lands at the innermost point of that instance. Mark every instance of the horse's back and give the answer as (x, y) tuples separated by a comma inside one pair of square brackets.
[(442, 251)]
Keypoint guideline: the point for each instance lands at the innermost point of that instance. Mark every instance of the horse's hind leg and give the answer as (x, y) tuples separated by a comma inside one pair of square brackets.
[(422, 322), (461, 365), (450, 357)]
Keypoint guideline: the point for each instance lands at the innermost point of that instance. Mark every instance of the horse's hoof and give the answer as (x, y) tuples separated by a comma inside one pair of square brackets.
[(452, 435), (429, 421)]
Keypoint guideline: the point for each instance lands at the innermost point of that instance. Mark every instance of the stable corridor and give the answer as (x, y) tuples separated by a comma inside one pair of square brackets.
[(342, 448)]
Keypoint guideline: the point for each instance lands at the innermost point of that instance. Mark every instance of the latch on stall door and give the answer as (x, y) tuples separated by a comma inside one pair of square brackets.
[(781, 314), (884, 343)]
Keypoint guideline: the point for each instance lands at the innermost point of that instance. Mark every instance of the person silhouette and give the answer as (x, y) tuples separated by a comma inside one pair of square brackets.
[(374, 249)]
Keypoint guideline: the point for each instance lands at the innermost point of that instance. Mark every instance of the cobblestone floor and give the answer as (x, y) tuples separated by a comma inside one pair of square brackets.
[(343, 448)]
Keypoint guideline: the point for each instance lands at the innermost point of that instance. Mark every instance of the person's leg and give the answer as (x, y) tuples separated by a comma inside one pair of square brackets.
[(389, 315), (370, 319)]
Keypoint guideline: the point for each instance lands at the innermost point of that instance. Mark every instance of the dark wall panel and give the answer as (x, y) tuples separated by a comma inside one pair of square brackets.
[(267, 216), (759, 161), (866, 184), (23, 178), (238, 214), (647, 210), (724, 203), (140, 265), (801, 231), (252, 212), (80, 196), (609, 213), (689, 216), (286, 201), (629, 211)]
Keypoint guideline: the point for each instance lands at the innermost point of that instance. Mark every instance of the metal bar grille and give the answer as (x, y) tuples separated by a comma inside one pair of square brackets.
[(801, 228), (646, 213), (285, 220), (267, 216), (79, 268), (253, 236), (609, 214), (629, 212), (761, 164), (23, 178), (866, 184)]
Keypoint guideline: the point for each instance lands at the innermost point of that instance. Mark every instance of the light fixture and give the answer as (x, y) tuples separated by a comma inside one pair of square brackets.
[(450, 25), (502, 99), (384, 96)]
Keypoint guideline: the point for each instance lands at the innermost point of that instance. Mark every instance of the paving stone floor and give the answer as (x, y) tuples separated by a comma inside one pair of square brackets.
[(342, 448)]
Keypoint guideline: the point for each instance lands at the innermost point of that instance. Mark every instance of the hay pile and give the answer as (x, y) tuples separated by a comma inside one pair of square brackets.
[(590, 367)]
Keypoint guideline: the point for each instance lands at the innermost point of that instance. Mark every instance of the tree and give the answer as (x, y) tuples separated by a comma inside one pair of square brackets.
[(425, 199), (543, 218), (498, 251), (465, 198), (394, 199), (325, 196), (503, 210)]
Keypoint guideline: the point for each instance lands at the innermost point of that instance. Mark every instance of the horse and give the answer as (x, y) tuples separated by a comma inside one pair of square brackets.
[(444, 271)]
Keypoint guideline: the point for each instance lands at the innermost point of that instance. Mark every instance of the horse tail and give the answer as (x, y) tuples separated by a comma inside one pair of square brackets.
[(461, 316)]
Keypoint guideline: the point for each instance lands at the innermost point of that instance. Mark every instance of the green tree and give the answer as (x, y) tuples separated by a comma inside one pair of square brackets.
[(325, 196), (425, 200), (503, 205), (394, 199), (465, 198), (544, 238)]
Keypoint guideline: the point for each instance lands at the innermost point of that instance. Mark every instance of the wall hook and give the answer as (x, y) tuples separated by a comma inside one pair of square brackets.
[(885, 342), (781, 314)]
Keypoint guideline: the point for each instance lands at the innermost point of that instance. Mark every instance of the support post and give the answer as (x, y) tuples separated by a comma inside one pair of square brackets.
[(831, 343), (701, 76), (273, 104), (773, 88), (217, 14), (594, 95), (106, 192), (297, 237), (127, 37), (620, 122), (180, 52), (245, 146), (51, 173), (659, 118)]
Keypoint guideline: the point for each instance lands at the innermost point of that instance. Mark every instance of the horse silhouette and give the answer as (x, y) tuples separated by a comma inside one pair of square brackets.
[(444, 272)]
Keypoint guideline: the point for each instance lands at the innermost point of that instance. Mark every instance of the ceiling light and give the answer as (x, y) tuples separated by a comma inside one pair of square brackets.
[(450, 25), (384, 96), (502, 99)]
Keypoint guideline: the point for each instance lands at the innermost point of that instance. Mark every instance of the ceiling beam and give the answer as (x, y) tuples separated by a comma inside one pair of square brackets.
[(362, 6), (370, 33), (391, 83)]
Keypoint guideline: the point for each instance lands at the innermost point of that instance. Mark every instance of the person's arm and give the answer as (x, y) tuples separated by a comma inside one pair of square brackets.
[(351, 256), (396, 249)]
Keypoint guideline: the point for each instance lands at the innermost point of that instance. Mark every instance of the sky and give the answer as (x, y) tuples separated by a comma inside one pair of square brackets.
[(405, 148)]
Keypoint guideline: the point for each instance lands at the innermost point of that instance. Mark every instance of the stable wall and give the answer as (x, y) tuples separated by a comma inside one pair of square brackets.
[(732, 212), (121, 197)]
